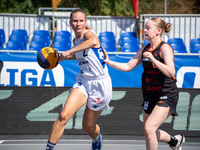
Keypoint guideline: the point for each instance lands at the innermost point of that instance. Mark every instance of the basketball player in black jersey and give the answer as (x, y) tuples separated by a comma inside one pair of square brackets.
[(159, 88)]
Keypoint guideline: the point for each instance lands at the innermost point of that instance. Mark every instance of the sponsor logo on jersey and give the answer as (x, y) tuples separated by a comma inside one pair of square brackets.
[(98, 101), (163, 97), (156, 53), (160, 102), (82, 61), (146, 103), (86, 70), (145, 59), (159, 88)]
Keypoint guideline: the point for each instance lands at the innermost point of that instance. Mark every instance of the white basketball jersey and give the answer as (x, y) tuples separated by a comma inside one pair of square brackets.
[(91, 60)]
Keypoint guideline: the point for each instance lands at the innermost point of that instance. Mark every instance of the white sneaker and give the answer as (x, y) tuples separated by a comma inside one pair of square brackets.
[(181, 140)]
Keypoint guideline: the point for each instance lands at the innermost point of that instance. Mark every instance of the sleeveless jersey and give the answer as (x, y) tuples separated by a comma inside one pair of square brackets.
[(91, 60), (155, 85)]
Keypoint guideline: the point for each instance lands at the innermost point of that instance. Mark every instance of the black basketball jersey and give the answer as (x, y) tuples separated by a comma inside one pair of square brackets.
[(155, 85)]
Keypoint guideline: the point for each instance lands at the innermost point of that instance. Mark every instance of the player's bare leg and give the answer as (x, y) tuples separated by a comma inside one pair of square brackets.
[(89, 125), (151, 124), (74, 102), (91, 128)]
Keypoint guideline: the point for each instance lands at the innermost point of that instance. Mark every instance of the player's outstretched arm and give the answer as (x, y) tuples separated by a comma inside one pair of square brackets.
[(126, 67)]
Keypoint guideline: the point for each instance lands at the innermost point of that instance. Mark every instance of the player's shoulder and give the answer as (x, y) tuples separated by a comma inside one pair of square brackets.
[(166, 46), (89, 33), (166, 49)]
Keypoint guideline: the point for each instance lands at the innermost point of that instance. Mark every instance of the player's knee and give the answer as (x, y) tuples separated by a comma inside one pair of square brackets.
[(64, 117), (87, 127), (148, 130)]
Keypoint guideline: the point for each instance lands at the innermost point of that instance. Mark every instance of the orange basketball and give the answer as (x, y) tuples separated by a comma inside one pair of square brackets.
[(47, 58)]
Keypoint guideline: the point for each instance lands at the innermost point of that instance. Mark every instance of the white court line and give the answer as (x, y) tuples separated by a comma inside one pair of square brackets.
[(113, 145), (29, 140), (105, 144)]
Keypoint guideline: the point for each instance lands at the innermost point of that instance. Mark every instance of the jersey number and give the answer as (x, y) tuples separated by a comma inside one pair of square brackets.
[(84, 54)]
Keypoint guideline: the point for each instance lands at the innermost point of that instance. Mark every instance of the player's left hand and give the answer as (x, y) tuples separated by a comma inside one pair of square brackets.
[(149, 56)]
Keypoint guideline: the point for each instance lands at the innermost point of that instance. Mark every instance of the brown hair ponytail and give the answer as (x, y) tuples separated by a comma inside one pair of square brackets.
[(159, 23)]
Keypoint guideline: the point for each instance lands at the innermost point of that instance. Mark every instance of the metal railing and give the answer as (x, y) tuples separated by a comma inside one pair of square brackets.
[(185, 26), (117, 25), (30, 23)]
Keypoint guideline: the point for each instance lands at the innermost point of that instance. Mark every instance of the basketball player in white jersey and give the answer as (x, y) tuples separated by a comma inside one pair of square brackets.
[(93, 84)]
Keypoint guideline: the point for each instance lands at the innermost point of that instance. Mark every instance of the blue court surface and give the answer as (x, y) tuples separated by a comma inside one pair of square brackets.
[(83, 142)]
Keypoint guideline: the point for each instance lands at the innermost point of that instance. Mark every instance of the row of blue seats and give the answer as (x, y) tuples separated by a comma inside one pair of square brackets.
[(62, 41), (19, 40), (130, 43), (179, 47)]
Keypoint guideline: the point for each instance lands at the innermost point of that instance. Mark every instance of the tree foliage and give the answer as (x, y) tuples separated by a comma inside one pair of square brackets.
[(173, 6), (105, 7), (23, 6)]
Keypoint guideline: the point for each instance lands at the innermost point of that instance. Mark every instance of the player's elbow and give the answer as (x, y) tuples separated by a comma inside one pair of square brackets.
[(171, 74), (95, 42), (127, 70)]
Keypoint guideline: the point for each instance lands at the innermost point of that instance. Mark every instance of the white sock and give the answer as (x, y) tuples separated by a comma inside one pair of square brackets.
[(95, 140)]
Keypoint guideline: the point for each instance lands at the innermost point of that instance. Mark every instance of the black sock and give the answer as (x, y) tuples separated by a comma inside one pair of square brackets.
[(50, 146), (173, 141)]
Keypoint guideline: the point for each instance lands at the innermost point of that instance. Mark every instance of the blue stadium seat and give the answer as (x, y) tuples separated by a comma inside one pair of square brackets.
[(21, 32), (108, 41), (38, 38), (196, 48), (2, 34), (19, 38), (63, 34), (59, 39), (61, 46), (107, 34), (37, 45), (130, 47), (127, 34), (130, 40), (14, 45), (62, 39), (130, 44), (43, 33), (1, 42), (109, 47), (175, 41), (179, 48), (193, 42), (177, 44)]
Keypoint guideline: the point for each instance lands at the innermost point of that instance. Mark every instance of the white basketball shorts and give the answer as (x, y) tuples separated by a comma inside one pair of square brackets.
[(98, 91)]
